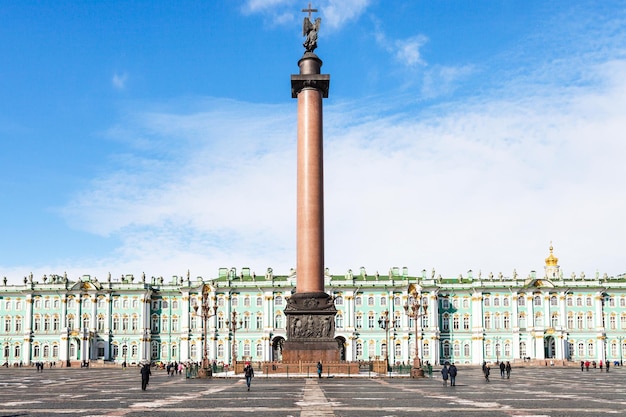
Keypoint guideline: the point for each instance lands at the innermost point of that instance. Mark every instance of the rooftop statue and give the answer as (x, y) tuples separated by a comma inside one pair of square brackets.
[(310, 31)]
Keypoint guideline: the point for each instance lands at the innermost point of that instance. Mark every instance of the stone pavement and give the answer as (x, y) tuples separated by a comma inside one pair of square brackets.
[(531, 392)]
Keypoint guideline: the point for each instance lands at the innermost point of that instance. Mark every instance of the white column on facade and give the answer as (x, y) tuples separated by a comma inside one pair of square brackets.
[(478, 339), (144, 346), (547, 311), (28, 328)]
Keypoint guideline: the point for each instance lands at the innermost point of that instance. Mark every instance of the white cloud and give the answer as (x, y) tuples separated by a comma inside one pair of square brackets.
[(482, 184), (119, 81), (335, 13)]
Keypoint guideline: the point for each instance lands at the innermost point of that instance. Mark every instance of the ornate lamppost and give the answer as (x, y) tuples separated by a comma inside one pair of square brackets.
[(620, 339), (234, 325), (416, 310), (206, 312), (383, 323)]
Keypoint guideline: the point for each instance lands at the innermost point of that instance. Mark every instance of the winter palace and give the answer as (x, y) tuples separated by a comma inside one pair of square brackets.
[(469, 319)]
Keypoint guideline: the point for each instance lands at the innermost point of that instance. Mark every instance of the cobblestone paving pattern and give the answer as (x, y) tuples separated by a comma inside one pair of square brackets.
[(531, 392)]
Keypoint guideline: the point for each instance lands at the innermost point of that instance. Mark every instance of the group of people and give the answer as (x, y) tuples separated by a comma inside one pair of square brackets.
[(174, 368), (586, 364), (449, 372), (505, 370)]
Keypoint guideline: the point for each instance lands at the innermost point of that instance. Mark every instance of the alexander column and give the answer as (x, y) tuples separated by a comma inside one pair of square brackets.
[(310, 311)]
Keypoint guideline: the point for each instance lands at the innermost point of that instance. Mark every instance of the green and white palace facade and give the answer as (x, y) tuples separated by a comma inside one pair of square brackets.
[(470, 318)]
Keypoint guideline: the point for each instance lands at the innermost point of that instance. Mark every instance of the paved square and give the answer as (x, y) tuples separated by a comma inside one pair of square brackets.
[(113, 392)]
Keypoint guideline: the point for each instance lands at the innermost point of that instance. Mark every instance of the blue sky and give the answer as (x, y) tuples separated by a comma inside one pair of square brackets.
[(159, 137)]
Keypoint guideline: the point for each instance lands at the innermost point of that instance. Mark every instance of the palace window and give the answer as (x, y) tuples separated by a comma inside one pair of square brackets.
[(570, 321), (220, 350), (383, 300), (537, 300), (522, 349), (398, 350), (612, 322), (125, 324), (246, 322), (397, 301), (522, 321), (246, 302), (135, 323), (496, 301), (466, 322), (554, 301), (259, 350), (339, 321), (446, 349), (446, 322), (487, 321), (507, 321), (521, 301), (455, 322), (505, 301), (370, 321), (100, 323), (278, 321), (235, 301), (466, 350), (18, 324), (569, 301), (487, 301), (359, 349), (358, 301), (338, 300), (259, 321), (7, 325), (246, 348), (465, 302), (554, 320), (359, 321), (590, 321), (590, 349), (457, 350), (426, 349), (174, 324), (370, 301), (579, 321), (445, 304), (589, 302)]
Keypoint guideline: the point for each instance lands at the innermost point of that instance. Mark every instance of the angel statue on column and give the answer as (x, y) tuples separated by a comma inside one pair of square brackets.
[(310, 31)]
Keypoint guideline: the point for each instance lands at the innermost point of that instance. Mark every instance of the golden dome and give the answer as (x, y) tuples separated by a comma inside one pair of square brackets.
[(552, 260)]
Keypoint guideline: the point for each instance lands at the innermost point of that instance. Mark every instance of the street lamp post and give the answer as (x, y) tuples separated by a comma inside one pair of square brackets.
[(206, 312), (234, 325), (620, 339), (383, 323), (416, 310)]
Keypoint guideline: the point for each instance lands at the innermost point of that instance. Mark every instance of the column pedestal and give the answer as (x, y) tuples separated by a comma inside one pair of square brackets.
[(310, 329)]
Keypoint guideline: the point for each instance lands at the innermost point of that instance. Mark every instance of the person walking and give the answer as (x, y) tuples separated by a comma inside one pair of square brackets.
[(445, 372), (487, 370), (319, 369), (608, 363), (249, 373), (502, 369), (508, 370), (145, 376), (452, 371)]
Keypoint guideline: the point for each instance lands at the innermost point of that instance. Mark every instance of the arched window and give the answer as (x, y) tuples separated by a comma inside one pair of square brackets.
[(445, 322), (537, 300), (521, 301), (339, 300), (359, 349), (370, 301), (278, 321), (259, 350), (446, 349), (522, 349), (554, 301), (339, 321), (466, 350)]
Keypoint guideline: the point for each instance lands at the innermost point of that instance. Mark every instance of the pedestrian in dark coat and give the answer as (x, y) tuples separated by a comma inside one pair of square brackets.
[(249, 373), (487, 370), (452, 371), (145, 376), (445, 372), (508, 369), (319, 369), (502, 368)]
